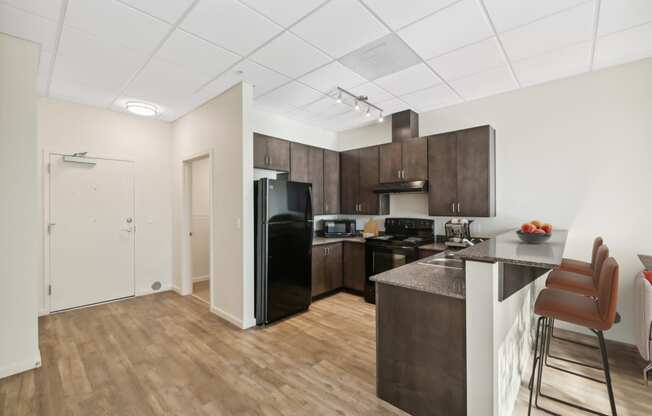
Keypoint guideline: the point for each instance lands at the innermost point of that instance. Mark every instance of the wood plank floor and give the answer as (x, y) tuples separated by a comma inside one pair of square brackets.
[(168, 355)]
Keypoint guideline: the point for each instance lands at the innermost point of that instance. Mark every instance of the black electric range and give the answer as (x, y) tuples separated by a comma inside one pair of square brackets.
[(397, 247)]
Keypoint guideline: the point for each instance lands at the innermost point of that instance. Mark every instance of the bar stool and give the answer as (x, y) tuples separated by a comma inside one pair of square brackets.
[(598, 315), (582, 267), (579, 283)]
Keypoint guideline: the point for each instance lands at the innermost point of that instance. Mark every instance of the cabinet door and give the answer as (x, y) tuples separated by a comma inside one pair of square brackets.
[(331, 182), (350, 181), (319, 282), (353, 266), (415, 160), (278, 154), (442, 174), (260, 151), (316, 177), (299, 162), (334, 266), (368, 180), (391, 162), (475, 172)]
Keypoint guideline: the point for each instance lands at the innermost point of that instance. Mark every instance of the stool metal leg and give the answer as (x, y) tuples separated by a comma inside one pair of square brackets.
[(645, 371), (556, 357), (544, 336), (572, 341), (607, 373), (534, 362)]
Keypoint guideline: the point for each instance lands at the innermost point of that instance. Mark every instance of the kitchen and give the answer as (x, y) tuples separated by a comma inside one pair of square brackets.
[(325, 207)]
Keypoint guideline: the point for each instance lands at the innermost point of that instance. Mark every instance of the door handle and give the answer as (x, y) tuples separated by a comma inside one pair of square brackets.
[(127, 230)]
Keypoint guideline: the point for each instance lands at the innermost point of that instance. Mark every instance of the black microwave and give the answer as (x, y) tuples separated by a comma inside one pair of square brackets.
[(338, 228)]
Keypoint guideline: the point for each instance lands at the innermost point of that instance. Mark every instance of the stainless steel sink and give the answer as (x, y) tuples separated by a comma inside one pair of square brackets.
[(444, 262)]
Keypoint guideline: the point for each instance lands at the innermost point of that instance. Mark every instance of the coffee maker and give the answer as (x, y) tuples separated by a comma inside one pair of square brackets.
[(458, 232)]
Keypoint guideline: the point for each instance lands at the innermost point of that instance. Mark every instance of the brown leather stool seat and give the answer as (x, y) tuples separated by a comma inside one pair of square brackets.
[(582, 267), (576, 282), (597, 314)]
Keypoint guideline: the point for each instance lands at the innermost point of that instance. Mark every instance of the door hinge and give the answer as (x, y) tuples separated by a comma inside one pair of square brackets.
[(50, 290), (50, 225), (49, 167)]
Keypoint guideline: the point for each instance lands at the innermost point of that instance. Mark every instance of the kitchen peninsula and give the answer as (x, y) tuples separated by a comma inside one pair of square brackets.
[(454, 334)]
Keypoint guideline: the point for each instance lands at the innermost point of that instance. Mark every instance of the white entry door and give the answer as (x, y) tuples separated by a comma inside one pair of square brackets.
[(92, 233)]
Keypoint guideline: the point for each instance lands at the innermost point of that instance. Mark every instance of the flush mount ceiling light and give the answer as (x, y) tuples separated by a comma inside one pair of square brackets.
[(141, 109), (357, 99)]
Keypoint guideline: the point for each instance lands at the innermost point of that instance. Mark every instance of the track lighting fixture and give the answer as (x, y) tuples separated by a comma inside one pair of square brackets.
[(358, 101)]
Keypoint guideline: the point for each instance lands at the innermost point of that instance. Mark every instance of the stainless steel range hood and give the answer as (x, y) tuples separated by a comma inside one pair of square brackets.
[(402, 187), (405, 126)]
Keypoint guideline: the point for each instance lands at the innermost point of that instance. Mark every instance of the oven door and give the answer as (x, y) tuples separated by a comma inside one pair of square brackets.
[(380, 258)]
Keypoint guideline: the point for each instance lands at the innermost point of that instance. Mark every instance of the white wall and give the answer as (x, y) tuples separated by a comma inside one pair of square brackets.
[(573, 152), (223, 125), (200, 218), (285, 128), (66, 127), (19, 207)]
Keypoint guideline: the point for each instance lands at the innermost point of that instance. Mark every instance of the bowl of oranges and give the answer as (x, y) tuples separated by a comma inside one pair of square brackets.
[(534, 232)]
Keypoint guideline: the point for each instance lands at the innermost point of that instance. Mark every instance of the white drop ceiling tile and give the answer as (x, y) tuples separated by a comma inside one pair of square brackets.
[(196, 55), (290, 56), (162, 82), (72, 90), (621, 14), (231, 25), (326, 107), (114, 22), (485, 83), (372, 91), (300, 115), (327, 78), (400, 13), (289, 97), (509, 14), (339, 27), (28, 26), (168, 10), (412, 79), (50, 9), (88, 61), (554, 65), (469, 60), (261, 78), (393, 106), (458, 25), (434, 97), (554, 32), (284, 12), (625, 46)]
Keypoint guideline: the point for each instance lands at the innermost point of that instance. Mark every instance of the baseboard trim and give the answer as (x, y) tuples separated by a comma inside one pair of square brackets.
[(145, 292), (227, 317), (199, 279), (21, 366), (43, 312), (176, 289)]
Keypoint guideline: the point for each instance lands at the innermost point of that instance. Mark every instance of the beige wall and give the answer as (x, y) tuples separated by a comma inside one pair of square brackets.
[(222, 125), (67, 128), (19, 207), (573, 152), (200, 219), (279, 126)]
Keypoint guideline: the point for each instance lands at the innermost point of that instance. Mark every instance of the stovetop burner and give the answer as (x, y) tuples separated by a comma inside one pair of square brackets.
[(406, 232)]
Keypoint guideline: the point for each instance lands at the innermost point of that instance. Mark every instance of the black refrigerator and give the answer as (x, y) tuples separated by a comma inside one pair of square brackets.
[(283, 234)]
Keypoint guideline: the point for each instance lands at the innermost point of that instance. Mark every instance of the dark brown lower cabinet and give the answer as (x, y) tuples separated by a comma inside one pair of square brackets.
[(421, 351), (353, 266), (326, 268)]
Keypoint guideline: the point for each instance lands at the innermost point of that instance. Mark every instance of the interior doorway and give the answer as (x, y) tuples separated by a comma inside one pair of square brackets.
[(199, 228), (197, 258)]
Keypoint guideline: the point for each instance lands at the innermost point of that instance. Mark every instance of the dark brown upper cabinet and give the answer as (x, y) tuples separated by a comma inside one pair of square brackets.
[(462, 173), (359, 176), (271, 153), (307, 165), (404, 161), (331, 182)]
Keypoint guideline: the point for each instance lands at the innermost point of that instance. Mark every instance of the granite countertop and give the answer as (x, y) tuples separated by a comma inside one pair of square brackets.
[(331, 240), (508, 248), (445, 281)]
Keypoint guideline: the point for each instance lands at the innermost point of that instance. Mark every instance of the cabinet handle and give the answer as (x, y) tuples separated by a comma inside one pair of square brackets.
[(327, 250), (459, 209), (403, 173), (453, 207), (398, 174)]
